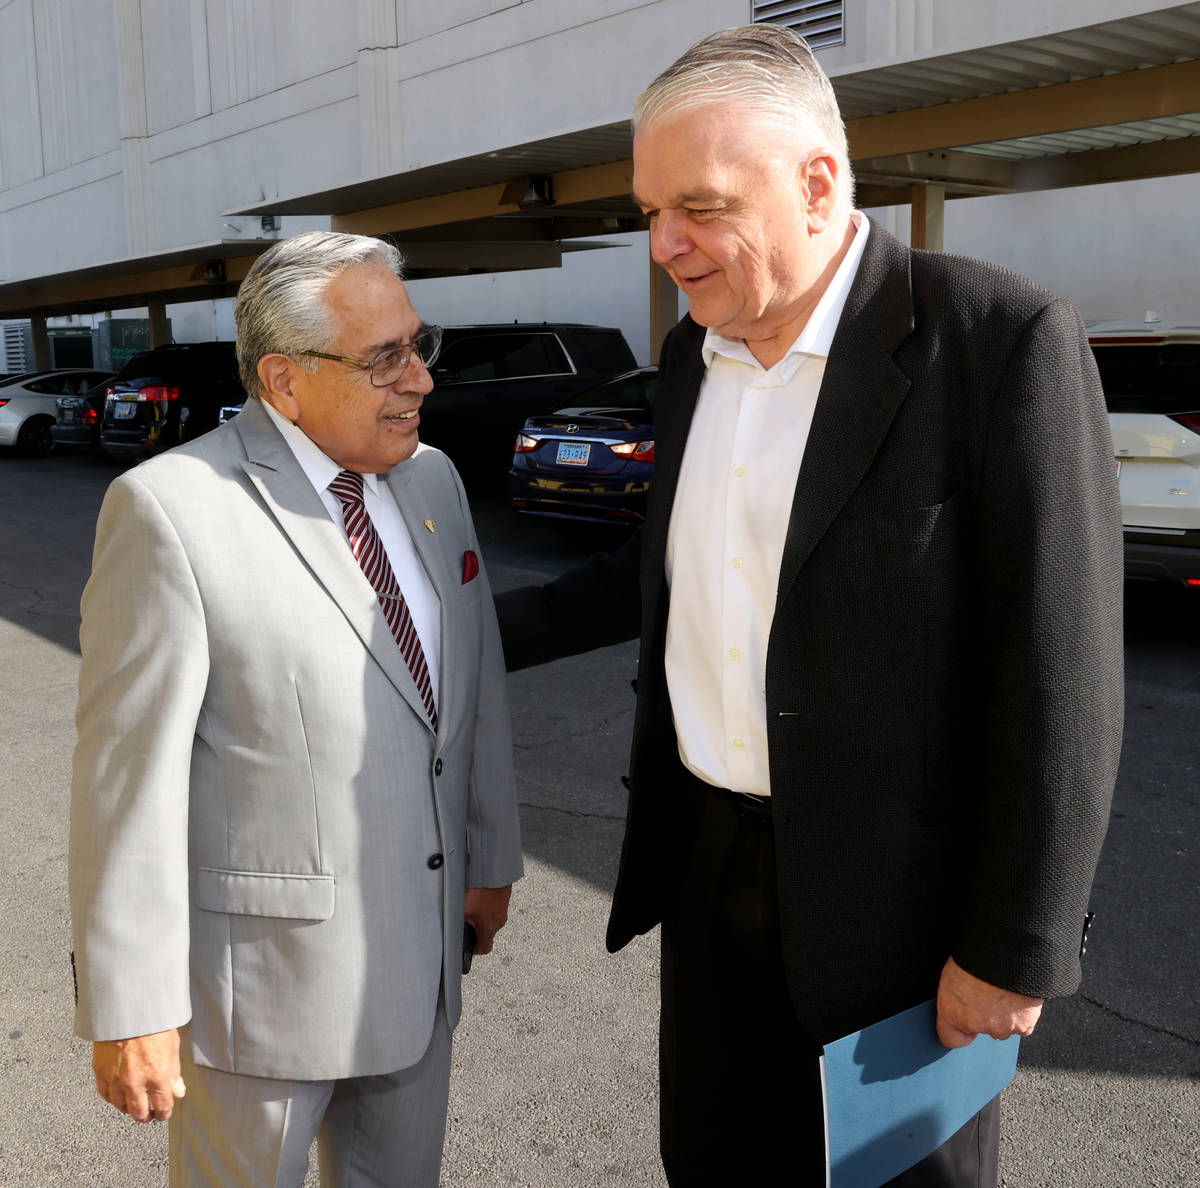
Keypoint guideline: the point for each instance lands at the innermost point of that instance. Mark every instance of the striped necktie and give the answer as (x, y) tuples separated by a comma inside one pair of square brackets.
[(368, 551)]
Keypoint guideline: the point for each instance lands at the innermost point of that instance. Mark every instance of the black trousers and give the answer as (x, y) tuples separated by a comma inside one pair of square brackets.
[(740, 1082)]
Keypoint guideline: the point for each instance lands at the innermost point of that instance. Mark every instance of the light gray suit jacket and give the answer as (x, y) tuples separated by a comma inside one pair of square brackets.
[(267, 837)]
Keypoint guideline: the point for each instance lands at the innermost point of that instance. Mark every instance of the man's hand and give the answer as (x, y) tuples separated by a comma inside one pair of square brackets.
[(140, 1076), (967, 1006), (486, 909)]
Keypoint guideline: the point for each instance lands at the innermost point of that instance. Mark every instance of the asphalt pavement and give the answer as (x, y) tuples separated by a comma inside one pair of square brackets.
[(554, 1083)]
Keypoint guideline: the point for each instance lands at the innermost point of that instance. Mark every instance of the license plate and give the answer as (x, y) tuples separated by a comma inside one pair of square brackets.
[(573, 453), (124, 410), (69, 416)]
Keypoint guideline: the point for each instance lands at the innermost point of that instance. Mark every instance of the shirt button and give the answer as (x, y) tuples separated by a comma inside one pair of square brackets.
[(738, 563), (734, 654), (740, 471), (738, 744), (437, 767), (434, 861)]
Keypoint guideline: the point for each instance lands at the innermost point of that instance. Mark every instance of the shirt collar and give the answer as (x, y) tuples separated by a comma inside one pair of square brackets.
[(316, 464), (817, 336)]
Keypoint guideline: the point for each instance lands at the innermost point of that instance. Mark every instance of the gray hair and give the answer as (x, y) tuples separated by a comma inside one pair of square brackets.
[(280, 307), (767, 67)]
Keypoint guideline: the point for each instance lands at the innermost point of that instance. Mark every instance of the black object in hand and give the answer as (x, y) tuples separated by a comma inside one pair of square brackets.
[(469, 939)]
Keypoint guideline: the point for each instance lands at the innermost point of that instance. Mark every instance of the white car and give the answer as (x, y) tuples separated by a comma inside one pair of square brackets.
[(28, 404), (1151, 378)]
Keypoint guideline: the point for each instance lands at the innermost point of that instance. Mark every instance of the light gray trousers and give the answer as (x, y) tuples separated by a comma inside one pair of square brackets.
[(234, 1131)]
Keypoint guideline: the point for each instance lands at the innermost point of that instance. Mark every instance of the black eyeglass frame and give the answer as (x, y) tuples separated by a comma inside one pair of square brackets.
[(405, 350)]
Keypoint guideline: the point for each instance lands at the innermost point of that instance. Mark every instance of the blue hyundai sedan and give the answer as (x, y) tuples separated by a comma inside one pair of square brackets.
[(591, 461)]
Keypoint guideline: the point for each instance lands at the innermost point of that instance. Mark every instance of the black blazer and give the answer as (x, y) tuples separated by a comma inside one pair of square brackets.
[(944, 673)]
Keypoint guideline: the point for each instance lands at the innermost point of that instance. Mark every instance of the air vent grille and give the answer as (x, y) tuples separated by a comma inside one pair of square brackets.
[(819, 22)]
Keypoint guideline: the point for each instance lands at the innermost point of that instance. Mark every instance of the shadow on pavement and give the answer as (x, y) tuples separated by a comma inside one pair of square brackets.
[(49, 508)]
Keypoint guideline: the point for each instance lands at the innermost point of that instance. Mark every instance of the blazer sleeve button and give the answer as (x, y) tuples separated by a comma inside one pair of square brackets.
[(434, 861), (437, 767)]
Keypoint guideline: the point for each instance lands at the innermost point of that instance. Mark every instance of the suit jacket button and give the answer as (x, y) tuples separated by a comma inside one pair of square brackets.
[(434, 861), (437, 767)]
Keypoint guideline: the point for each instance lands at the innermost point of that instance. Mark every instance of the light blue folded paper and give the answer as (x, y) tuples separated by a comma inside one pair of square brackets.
[(893, 1094)]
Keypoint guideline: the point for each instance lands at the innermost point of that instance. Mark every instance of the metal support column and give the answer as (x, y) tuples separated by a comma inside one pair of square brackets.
[(664, 308), (160, 334), (41, 343), (928, 216)]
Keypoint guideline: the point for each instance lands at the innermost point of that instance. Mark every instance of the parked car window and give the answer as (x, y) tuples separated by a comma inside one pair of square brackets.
[(598, 350), (21, 377), (1150, 379), (635, 392), (64, 385), (504, 356)]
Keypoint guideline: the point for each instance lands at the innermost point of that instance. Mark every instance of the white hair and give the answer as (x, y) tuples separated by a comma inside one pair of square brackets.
[(765, 67), (281, 307)]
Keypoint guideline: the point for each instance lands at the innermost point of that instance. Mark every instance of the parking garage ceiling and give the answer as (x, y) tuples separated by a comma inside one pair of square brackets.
[(1109, 102)]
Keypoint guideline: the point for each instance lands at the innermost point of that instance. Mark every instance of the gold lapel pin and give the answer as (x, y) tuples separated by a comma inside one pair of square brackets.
[(431, 524)]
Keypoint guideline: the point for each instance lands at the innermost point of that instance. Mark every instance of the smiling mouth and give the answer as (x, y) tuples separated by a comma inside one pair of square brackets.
[(404, 416)]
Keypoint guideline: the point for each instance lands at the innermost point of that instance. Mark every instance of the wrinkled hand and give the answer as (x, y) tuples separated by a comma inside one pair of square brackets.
[(140, 1076), (487, 910), (967, 1006)]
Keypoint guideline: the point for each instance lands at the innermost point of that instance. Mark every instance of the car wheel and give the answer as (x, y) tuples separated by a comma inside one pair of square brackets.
[(35, 438)]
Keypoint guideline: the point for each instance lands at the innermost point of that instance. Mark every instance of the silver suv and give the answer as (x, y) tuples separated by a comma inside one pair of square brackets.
[(1151, 378)]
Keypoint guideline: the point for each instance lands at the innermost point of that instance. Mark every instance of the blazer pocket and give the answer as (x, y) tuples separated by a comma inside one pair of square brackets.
[(253, 893), (913, 535)]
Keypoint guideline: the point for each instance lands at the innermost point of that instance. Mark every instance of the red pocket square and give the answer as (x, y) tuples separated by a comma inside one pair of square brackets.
[(470, 566)]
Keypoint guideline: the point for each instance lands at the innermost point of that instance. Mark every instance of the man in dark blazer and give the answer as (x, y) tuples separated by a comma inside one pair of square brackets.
[(878, 591)]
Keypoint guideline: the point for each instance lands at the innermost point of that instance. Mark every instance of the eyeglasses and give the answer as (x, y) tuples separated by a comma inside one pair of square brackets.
[(389, 365)]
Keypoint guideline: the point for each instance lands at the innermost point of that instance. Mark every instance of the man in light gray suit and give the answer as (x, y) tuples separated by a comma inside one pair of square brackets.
[(293, 779)]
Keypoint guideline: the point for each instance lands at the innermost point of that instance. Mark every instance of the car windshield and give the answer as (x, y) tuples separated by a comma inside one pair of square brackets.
[(1163, 379), (626, 391)]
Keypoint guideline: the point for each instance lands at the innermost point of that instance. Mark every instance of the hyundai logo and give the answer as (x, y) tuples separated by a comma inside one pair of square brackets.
[(572, 428)]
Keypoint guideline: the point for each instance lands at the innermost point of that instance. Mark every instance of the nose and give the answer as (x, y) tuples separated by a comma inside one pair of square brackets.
[(415, 377), (668, 236)]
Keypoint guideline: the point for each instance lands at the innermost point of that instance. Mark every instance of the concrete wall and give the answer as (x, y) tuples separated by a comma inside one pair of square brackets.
[(61, 193), (1114, 250), (530, 70), (127, 126)]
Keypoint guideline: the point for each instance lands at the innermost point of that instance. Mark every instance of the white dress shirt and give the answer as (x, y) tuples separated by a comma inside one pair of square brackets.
[(419, 595), (726, 537)]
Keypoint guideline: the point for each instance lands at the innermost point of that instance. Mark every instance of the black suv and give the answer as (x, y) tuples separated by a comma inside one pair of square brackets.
[(167, 396), (489, 379)]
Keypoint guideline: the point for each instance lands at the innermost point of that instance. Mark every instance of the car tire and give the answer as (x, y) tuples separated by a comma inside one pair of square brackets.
[(34, 438)]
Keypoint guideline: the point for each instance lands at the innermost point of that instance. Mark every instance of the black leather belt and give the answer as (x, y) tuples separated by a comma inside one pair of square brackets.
[(754, 810), (749, 806)]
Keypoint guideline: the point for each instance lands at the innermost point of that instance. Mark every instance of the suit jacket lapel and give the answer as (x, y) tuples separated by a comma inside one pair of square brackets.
[(862, 390), (674, 406), (297, 508), (437, 565)]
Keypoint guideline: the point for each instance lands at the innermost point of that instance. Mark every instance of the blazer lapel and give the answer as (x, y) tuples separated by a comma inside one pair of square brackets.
[(297, 508), (674, 407), (860, 394), (417, 518)]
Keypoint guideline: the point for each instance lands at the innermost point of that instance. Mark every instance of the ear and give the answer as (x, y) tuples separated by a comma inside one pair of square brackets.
[(819, 180), (278, 376)]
